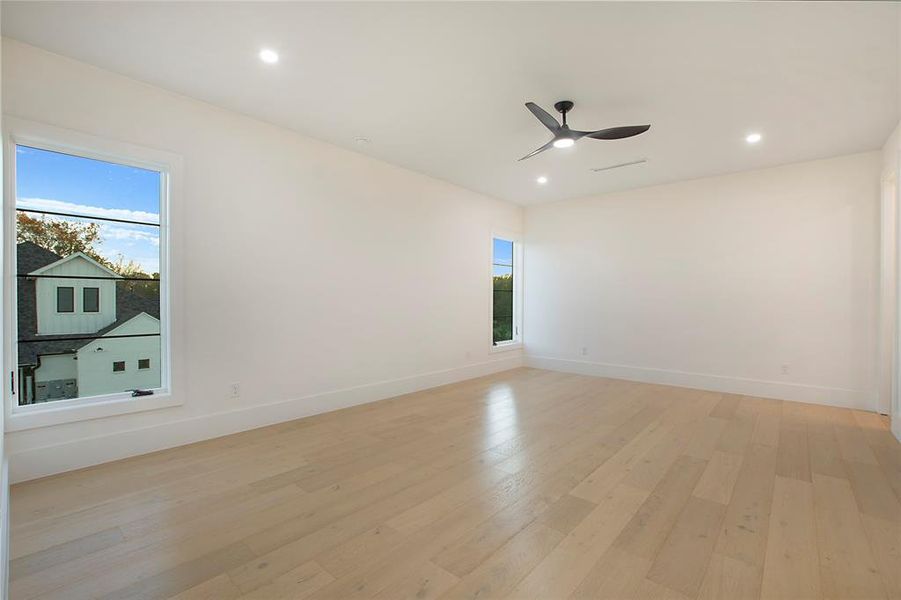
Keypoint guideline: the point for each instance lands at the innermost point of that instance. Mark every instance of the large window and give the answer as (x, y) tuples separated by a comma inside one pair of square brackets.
[(505, 329), (88, 256)]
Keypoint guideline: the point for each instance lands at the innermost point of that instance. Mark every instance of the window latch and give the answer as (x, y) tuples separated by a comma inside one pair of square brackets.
[(136, 393)]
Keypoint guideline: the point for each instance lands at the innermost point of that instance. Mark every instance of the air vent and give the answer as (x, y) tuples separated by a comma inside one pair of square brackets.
[(640, 161)]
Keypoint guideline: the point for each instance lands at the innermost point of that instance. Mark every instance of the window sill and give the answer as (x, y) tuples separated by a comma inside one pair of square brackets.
[(84, 409), (506, 347)]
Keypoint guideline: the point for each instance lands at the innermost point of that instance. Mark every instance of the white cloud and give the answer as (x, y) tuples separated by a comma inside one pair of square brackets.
[(124, 233), (134, 242), (82, 209)]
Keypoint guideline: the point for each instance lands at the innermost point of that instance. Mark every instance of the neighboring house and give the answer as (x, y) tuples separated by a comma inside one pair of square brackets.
[(74, 316)]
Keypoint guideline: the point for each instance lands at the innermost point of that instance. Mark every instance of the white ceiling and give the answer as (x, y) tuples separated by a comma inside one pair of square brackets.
[(439, 87)]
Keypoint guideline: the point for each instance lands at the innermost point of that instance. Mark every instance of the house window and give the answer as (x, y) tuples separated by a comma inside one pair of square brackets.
[(505, 329), (91, 300), (88, 226), (65, 299)]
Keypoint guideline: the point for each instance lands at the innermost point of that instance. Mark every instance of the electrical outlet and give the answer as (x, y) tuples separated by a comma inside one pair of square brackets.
[(785, 369), (584, 351), (234, 390)]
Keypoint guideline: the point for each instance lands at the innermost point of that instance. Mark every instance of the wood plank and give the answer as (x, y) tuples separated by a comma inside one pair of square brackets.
[(847, 568), (427, 582), (726, 407), (727, 577), (217, 588), (792, 454), (344, 558), (565, 514), (746, 524), (873, 492), (621, 575), (296, 584), (791, 569), (501, 571), (647, 530), (852, 442), (885, 540), (558, 575), (524, 484), (682, 560), (718, 479)]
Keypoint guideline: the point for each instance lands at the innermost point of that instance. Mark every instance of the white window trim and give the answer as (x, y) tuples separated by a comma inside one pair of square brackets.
[(29, 133), (516, 342)]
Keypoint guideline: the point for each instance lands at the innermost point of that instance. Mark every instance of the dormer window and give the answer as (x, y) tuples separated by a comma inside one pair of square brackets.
[(90, 299), (65, 299)]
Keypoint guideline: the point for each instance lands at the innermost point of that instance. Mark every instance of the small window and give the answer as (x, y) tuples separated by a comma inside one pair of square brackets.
[(118, 366), (143, 363), (65, 299), (90, 300)]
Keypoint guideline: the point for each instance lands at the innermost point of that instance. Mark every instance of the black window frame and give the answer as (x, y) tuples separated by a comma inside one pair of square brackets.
[(143, 360), (117, 364), (84, 299), (71, 289)]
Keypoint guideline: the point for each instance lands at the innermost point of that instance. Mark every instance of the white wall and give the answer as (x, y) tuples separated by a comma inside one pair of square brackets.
[(6, 296), (890, 310), (314, 276), (716, 283), (890, 273)]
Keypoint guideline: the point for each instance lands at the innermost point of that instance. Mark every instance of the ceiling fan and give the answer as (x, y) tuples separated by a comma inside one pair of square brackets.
[(564, 137)]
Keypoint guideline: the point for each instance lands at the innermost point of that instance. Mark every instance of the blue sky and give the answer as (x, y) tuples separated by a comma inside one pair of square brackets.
[(60, 182), (503, 255)]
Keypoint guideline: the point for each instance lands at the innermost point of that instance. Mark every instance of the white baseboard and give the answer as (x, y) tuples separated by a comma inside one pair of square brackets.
[(49, 460), (779, 390)]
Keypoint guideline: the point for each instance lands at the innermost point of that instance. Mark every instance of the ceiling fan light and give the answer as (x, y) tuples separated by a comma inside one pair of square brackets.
[(564, 143), (268, 56)]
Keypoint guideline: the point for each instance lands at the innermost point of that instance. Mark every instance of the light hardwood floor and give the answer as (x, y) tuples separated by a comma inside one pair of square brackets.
[(525, 484)]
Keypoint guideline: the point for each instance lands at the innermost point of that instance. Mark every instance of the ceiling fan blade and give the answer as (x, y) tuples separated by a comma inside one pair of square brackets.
[(546, 119), (618, 133), (538, 150)]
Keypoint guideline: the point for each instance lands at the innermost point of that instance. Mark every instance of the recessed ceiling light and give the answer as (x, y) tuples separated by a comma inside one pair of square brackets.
[(753, 138), (542, 180), (362, 140), (270, 57), (563, 143)]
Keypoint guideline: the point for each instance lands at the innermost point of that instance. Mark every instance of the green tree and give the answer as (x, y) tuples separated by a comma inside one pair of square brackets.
[(68, 237), (59, 236), (503, 308)]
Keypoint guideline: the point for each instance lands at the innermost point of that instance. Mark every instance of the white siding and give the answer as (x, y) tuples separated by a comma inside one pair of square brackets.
[(56, 366), (51, 322), (95, 360)]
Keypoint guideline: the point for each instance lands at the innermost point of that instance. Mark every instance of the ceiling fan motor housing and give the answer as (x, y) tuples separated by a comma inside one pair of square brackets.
[(564, 106)]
